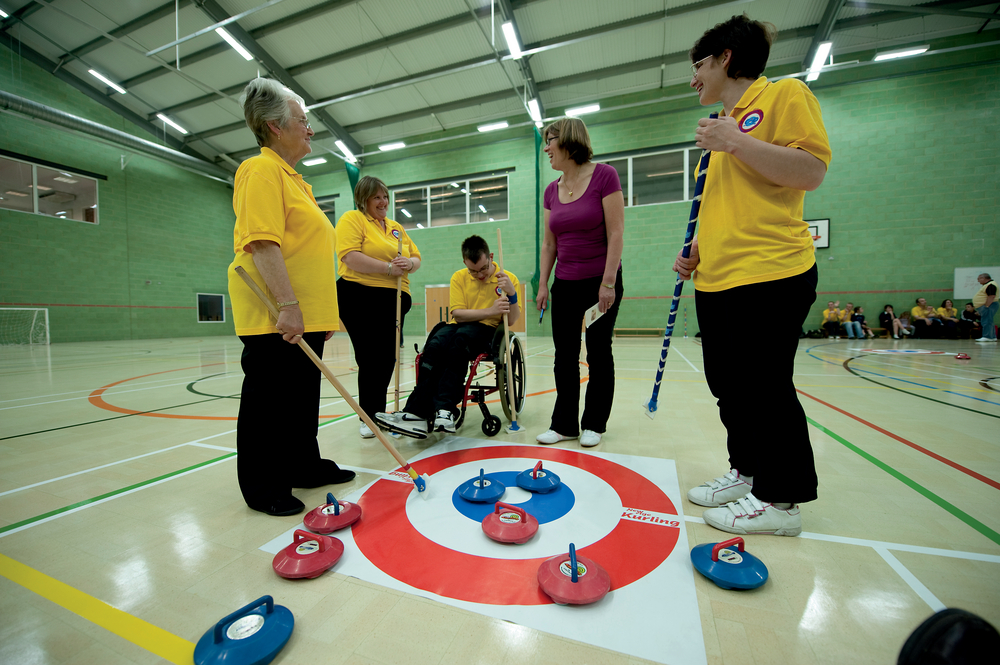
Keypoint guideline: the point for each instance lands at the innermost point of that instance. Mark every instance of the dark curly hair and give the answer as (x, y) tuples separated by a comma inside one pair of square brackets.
[(750, 41)]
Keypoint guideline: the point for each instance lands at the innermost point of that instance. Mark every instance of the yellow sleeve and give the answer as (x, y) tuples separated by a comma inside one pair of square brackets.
[(259, 207), (456, 296), (802, 123), (350, 233), (916, 312)]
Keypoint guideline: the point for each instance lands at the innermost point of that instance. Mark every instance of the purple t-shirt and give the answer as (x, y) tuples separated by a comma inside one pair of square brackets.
[(579, 228)]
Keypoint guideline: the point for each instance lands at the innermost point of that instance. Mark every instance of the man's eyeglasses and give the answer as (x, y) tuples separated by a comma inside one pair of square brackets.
[(696, 66), (477, 273)]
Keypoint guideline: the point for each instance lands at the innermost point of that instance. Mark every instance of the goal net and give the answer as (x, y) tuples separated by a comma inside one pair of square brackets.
[(24, 325)]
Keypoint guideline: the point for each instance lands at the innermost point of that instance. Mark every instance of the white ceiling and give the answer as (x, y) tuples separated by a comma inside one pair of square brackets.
[(587, 50)]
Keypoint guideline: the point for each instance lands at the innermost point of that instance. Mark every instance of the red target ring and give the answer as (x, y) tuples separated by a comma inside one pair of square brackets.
[(387, 538)]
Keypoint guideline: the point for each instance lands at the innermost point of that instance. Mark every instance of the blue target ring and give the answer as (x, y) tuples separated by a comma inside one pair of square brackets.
[(543, 507)]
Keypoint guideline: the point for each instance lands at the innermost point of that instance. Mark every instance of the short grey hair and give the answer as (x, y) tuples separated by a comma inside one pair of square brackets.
[(266, 100), (986, 275)]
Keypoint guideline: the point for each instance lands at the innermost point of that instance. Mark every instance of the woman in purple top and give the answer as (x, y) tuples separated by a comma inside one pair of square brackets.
[(584, 229)]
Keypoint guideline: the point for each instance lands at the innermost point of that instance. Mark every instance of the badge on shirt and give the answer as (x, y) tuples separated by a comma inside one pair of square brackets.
[(499, 291), (395, 234), (751, 120)]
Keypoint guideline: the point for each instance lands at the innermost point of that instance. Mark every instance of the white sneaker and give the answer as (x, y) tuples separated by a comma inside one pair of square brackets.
[(366, 432), (720, 491), (552, 436), (405, 423), (589, 438), (986, 339), (444, 422), (895, 336), (751, 516)]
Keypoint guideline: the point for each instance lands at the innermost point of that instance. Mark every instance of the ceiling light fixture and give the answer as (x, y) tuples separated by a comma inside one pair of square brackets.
[(493, 126), (106, 80), (420, 226), (392, 146), (405, 212), (534, 110), (316, 161), (3, 14), (508, 33), (171, 123), (822, 53), (583, 110), (902, 53), (482, 208), (247, 55), (347, 153)]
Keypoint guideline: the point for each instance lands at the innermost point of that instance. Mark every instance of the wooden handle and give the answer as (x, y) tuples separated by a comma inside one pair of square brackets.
[(326, 370), (506, 345), (399, 316)]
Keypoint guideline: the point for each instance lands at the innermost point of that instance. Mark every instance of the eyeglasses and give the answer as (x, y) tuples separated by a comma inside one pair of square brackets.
[(696, 66), (303, 122), (551, 139), (477, 273)]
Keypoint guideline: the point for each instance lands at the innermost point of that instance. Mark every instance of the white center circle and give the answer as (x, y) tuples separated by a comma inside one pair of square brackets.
[(595, 513)]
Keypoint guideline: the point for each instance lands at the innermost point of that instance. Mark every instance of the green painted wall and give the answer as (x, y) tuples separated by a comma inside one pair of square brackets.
[(164, 234), (912, 193)]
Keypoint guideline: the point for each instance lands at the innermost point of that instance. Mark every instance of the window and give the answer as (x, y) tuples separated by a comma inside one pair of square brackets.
[(463, 200), (656, 175), (211, 308), (48, 189)]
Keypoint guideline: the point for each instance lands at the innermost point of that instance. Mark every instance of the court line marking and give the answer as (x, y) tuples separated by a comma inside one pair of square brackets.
[(143, 634), (911, 579), (117, 392), (677, 351), (940, 458)]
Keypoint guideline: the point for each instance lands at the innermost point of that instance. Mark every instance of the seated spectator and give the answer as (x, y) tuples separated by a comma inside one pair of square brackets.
[(925, 320), (905, 324), (831, 319), (949, 318), (859, 318), (968, 325), (887, 319), (476, 310), (852, 327)]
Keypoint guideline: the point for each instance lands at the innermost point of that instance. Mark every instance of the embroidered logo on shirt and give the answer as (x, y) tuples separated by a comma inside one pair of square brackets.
[(395, 234), (499, 291), (751, 120)]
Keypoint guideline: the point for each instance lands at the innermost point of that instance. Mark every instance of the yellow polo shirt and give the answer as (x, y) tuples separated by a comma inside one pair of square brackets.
[(944, 312), (979, 299), (918, 312), (273, 202), (751, 229), (357, 232), (831, 315), (467, 292)]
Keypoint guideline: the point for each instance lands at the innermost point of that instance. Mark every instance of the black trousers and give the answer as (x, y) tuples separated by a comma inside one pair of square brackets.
[(369, 312), (750, 373), (570, 299), (444, 366), (278, 418)]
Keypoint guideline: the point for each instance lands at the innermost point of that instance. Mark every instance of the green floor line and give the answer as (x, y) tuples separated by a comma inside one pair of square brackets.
[(965, 517), (95, 499)]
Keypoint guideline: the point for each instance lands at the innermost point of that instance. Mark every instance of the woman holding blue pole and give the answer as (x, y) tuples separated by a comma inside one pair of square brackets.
[(768, 147)]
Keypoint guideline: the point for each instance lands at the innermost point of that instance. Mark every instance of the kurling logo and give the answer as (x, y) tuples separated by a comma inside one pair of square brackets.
[(751, 120)]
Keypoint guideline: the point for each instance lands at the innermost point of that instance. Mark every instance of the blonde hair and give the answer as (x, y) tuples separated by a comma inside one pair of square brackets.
[(366, 188), (572, 137), (266, 100)]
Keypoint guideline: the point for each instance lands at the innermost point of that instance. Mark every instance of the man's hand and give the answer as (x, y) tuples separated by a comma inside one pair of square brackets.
[(687, 266), (501, 306), (503, 281)]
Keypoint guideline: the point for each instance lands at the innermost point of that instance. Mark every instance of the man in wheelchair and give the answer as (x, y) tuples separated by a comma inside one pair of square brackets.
[(480, 295)]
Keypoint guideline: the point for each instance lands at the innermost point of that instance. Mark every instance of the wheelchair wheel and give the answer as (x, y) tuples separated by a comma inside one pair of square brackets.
[(517, 372), (491, 426)]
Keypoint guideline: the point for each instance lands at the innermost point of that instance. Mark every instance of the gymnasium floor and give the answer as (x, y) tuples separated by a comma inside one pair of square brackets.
[(120, 512)]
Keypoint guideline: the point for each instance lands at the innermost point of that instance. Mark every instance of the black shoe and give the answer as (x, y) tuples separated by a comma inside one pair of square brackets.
[(282, 507), (328, 474)]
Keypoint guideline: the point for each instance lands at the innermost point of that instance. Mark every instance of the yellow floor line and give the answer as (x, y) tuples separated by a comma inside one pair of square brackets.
[(141, 633)]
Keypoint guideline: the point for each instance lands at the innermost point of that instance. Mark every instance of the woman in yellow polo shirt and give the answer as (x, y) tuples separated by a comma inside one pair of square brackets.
[(286, 243), (366, 248), (768, 147)]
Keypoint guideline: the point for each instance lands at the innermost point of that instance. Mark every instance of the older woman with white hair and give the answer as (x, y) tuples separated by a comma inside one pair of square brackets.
[(287, 244)]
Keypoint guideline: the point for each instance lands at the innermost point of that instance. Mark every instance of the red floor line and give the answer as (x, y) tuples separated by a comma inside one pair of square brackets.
[(955, 465)]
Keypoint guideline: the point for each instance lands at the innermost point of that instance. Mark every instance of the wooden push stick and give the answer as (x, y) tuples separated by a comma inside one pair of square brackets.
[(399, 308), (417, 480), (506, 346)]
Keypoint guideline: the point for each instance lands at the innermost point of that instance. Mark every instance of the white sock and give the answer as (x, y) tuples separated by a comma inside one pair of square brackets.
[(782, 506)]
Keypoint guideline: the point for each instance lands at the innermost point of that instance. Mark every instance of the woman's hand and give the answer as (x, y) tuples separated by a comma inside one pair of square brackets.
[(542, 299), (290, 324), (399, 266), (684, 267), (605, 298)]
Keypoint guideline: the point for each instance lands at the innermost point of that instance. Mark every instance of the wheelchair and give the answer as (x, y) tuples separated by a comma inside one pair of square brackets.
[(483, 367)]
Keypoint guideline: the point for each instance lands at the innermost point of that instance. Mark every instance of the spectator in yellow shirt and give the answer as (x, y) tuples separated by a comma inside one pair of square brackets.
[(925, 320), (852, 327), (949, 318), (831, 319)]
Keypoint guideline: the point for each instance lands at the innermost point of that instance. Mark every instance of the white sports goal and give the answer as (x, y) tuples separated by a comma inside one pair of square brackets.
[(24, 325)]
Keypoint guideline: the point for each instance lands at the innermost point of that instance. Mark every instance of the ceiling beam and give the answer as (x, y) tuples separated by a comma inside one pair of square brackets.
[(898, 14), (432, 110), (257, 33), (823, 30), (919, 9), (125, 28), (217, 13)]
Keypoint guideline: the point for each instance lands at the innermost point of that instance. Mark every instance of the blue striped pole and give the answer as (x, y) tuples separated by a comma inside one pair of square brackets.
[(650, 406)]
